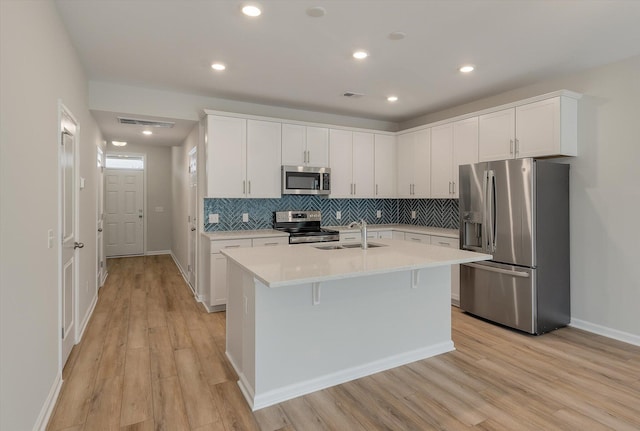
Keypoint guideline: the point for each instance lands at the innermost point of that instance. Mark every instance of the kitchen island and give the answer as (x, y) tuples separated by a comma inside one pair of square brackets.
[(301, 318)]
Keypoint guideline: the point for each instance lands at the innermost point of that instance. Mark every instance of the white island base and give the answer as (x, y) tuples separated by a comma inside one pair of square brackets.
[(295, 339)]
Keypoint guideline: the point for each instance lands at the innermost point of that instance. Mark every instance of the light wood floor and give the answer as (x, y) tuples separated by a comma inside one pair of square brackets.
[(151, 358)]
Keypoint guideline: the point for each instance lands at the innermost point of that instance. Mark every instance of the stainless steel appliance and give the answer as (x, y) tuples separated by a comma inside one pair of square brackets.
[(306, 180), (303, 227), (517, 211)]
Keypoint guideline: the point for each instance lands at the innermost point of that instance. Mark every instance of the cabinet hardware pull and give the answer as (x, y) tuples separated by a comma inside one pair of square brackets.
[(453, 187), (376, 190), (270, 243), (510, 146), (249, 187), (231, 246), (416, 239), (517, 146), (354, 188), (244, 187)]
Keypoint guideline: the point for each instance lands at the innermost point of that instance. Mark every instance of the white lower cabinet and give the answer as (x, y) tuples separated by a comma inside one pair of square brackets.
[(350, 236), (217, 292), (417, 237)]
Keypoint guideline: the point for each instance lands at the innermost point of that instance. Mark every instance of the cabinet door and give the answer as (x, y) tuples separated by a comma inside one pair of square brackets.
[(294, 144), (386, 234), (422, 164), (218, 293), (497, 135), (226, 155), (397, 235), (269, 242), (350, 236), (363, 165), (263, 159), (318, 146), (404, 151), (341, 158), (385, 166), (538, 128), (441, 161), (465, 148)]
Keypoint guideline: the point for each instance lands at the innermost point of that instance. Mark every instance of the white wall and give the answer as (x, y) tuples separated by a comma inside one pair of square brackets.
[(180, 196), (158, 193), (605, 193), (38, 67)]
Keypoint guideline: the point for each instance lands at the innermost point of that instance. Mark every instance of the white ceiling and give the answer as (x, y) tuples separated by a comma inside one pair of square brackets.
[(287, 58)]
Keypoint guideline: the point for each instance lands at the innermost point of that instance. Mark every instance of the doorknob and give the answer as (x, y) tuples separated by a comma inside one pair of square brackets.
[(192, 229), (99, 229), (78, 245)]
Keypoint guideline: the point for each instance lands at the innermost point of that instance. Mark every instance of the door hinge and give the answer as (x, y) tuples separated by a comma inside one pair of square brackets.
[(62, 334), (188, 268)]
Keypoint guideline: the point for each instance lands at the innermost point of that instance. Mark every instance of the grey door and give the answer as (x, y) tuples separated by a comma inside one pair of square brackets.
[(472, 185), (510, 209)]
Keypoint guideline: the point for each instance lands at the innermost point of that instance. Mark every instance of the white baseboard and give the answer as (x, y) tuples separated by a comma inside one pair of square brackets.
[(85, 320), (49, 404), (605, 331), (279, 395), (183, 273), (157, 252)]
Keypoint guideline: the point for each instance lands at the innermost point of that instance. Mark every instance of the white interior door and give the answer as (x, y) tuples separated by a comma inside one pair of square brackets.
[(68, 232), (124, 217), (192, 223)]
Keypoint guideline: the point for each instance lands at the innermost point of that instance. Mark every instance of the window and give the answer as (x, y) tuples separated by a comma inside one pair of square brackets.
[(122, 161)]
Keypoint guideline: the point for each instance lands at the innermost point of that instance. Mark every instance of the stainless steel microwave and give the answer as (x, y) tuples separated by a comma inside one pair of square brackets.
[(306, 180)]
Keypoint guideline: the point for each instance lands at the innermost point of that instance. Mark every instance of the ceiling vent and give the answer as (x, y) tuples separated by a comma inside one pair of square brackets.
[(352, 94), (145, 123)]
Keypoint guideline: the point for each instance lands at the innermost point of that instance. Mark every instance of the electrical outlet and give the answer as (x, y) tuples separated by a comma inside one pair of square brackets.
[(378, 214), (214, 218), (245, 217), (413, 214), (338, 215)]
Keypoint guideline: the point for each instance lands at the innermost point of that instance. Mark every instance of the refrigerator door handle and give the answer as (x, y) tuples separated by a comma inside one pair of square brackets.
[(491, 210), (499, 270)]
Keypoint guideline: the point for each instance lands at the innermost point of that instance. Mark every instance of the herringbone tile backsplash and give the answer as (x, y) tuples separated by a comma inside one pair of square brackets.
[(429, 212)]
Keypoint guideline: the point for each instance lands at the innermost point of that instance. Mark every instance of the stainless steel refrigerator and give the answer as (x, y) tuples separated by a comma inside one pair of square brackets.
[(517, 211)]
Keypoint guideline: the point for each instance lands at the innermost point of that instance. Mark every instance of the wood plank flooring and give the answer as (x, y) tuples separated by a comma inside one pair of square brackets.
[(153, 359)]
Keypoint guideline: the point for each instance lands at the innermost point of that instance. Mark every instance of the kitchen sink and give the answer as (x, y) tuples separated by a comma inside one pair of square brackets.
[(350, 245)]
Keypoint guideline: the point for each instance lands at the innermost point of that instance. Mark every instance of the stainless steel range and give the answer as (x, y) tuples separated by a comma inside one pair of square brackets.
[(303, 227)]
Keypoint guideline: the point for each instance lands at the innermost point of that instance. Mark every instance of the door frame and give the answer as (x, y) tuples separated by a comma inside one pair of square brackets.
[(144, 191), (193, 209), (63, 112)]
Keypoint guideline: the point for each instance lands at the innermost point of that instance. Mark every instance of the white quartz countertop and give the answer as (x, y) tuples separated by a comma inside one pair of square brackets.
[(244, 234), (288, 265), (426, 230)]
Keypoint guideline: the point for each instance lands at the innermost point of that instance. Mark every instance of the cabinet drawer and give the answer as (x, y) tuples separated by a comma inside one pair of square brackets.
[(216, 246), (444, 241), (397, 235), (417, 237), (346, 237), (265, 242)]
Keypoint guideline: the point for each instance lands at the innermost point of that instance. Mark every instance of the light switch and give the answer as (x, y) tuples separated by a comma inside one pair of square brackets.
[(159, 209), (50, 238), (378, 214), (214, 218), (338, 215), (245, 217), (413, 214)]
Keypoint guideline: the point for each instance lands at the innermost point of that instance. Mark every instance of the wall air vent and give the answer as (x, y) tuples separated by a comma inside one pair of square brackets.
[(352, 94), (145, 123)]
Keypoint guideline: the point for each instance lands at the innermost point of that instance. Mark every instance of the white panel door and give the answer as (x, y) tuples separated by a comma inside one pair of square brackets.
[(465, 148), (404, 167), (422, 164), (68, 234), (294, 145), (497, 132), (226, 157), (318, 146), (192, 223), (538, 128), (124, 218), (441, 161)]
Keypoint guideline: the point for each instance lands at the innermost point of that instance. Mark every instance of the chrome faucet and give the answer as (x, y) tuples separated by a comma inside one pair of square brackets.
[(363, 232)]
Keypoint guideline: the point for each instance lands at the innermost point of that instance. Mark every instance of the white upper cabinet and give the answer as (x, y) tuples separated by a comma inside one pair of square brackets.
[(465, 148), (226, 157), (414, 161), (497, 132), (243, 158), (352, 164), (543, 128), (385, 166), (441, 161), (547, 128), (305, 145), (263, 159)]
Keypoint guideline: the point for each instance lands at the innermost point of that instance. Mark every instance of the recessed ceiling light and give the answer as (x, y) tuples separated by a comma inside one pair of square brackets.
[(147, 132), (467, 68), (316, 11), (392, 98), (218, 66), (397, 35), (360, 54), (251, 10), (118, 143)]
